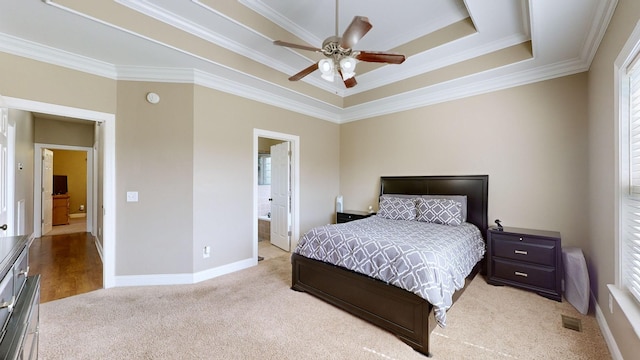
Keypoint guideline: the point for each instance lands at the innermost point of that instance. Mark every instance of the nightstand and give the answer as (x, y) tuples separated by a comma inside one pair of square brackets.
[(525, 258), (350, 215)]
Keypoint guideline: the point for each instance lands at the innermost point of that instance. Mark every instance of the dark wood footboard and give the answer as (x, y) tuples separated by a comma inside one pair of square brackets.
[(404, 314)]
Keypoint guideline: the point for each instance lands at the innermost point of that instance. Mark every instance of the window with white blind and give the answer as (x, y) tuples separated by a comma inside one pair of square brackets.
[(630, 216), (626, 290)]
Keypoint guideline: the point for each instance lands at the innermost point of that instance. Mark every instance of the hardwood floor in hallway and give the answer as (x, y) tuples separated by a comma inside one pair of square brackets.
[(68, 264)]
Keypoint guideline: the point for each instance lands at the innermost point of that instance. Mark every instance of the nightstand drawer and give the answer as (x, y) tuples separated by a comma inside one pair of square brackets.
[(538, 276), (530, 250), (350, 215)]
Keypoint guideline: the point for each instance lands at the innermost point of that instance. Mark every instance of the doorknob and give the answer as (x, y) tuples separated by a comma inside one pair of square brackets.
[(3, 227)]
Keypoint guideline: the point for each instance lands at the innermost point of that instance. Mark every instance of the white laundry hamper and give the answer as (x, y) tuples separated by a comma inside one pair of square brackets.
[(576, 278)]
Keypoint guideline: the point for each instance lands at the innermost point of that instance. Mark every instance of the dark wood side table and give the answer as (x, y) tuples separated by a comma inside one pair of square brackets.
[(350, 215), (525, 258)]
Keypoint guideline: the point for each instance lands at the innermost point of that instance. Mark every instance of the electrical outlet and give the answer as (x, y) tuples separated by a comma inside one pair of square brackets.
[(610, 303), (206, 252)]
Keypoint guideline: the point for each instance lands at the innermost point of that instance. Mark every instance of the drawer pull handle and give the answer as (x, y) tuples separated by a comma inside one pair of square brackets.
[(521, 252), (518, 273), (8, 304)]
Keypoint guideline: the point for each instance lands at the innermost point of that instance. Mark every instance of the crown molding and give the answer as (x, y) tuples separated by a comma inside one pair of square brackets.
[(488, 81), (284, 22), (598, 29), (231, 81), (31, 50)]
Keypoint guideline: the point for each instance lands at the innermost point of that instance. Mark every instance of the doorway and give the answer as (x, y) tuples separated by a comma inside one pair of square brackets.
[(106, 232), (289, 217), (78, 186)]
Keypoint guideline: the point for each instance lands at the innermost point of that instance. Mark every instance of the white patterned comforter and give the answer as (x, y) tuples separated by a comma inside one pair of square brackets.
[(430, 260)]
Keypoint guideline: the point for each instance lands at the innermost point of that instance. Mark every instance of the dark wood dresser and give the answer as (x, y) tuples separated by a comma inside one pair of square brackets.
[(526, 258), (350, 215), (19, 301)]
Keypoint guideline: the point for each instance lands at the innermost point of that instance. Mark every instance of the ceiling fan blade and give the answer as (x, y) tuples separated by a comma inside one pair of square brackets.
[(355, 31), (350, 82), (295, 46), (304, 72), (380, 57)]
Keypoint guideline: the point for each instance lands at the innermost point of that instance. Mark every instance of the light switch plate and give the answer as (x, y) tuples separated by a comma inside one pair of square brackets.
[(132, 196)]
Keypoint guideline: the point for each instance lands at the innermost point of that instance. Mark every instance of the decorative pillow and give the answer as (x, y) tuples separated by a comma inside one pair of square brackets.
[(439, 211), (397, 208), (462, 199)]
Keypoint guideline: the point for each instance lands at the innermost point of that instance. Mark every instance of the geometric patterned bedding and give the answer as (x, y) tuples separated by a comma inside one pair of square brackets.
[(427, 259)]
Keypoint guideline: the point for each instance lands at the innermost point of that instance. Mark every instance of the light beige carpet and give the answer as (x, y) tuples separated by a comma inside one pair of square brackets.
[(253, 314)]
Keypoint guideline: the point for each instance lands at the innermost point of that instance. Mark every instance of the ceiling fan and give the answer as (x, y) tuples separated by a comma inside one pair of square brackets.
[(341, 58)]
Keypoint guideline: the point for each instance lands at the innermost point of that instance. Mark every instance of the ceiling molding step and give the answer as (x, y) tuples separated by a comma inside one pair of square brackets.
[(277, 63), (431, 60), (598, 28), (269, 13), (155, 74), (28, 49), (473, 85), (163, 15), (270, 94), (423, 28)]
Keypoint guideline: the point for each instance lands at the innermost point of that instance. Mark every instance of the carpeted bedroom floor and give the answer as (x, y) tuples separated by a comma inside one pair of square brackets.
[(254, 314)]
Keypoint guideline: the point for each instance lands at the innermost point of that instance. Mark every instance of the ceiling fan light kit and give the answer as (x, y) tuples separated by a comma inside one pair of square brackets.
[(341, 58)]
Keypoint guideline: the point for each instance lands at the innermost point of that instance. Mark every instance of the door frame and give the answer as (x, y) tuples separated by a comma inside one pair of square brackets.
[(294, 140), (37, 186), (108, 122)]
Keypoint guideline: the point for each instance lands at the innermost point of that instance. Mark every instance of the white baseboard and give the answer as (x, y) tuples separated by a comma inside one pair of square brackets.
[(98, 247), (181, 279), (78, 215), (606, 332)]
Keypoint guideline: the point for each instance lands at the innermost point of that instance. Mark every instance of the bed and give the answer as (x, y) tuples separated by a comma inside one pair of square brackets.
[(404, 313)]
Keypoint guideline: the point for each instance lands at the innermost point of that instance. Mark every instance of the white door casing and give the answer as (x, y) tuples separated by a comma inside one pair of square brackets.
[(4, 171), (280, 195), (47, 190), (108, 209)]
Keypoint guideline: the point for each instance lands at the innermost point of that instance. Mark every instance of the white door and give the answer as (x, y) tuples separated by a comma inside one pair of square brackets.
[(4, 170), (47, 190), (280, 195)]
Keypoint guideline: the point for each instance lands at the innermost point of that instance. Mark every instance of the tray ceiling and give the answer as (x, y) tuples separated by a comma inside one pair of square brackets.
[(454, 48)]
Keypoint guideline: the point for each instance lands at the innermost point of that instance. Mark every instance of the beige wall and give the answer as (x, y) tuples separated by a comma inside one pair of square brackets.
[(33, 80), (223, 171), (48, 131), (600, 246), (73, 164), (154, 156), (530, 140)]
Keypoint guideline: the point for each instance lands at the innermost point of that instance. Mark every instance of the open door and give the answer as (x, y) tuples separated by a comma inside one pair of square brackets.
[(280, 196), (47, 190)]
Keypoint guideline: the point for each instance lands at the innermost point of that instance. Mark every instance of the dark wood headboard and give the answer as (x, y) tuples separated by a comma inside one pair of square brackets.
[(475, 187)]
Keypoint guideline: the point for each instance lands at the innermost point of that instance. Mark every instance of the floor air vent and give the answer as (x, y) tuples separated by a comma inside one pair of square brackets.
[(571, 323)]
